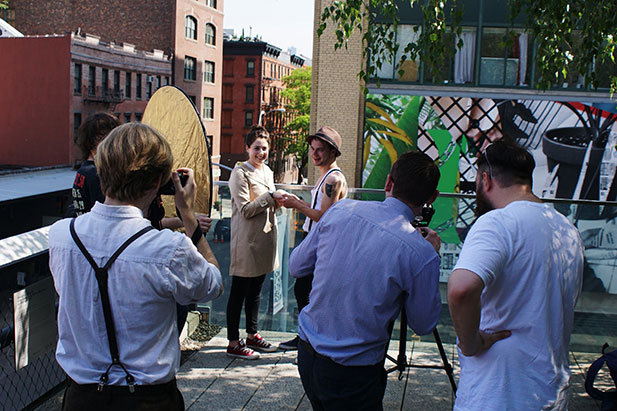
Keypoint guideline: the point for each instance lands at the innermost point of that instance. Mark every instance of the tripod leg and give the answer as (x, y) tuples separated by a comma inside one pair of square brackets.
[(402, 358), (444, 359)]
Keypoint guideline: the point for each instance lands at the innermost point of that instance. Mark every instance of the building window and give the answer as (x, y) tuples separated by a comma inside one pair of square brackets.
[(127, 85), (210, 34), (149, 81), (127, 117), (77, 87), (211, 3), (105, 82), (166, 81), (228, 67), (91, 80), (138, 116), (208, 72), (228, 93), (189, 68), (138, 86), (116, 82), (193, 99), (208, 108), (250, 68), (190, 27), (248, 118), (250, 93), (227, 116), (158, 82), (76, 124)]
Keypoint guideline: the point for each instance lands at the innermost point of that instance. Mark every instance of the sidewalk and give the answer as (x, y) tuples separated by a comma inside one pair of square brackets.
[(210, 380)]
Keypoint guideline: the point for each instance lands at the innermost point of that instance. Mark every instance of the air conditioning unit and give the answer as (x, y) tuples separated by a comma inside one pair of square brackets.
[(151, 79)]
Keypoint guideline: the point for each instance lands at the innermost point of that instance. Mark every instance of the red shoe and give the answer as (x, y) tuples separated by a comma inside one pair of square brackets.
[(259, 344), (241, 351)]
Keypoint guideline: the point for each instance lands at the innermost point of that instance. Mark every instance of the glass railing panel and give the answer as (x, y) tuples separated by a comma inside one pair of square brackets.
[(596, 311)]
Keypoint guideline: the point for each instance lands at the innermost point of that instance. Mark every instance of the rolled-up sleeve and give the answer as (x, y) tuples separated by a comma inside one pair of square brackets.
[(192, 278)]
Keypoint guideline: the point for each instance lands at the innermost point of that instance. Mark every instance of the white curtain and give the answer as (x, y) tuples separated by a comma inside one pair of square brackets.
[(523, 41), (464, 58)]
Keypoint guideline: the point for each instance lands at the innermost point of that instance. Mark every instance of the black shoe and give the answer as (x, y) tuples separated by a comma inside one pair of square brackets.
[(291, 345)]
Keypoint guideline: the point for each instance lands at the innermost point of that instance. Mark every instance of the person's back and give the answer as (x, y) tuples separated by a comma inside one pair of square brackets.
[(513, 290), (144, 285), (350, 277), (118, 280), (534, 298)]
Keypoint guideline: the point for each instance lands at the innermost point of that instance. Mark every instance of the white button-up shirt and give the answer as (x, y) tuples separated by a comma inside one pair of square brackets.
[(157, 270)]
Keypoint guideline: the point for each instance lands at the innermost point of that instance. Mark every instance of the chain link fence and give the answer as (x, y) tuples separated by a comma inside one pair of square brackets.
[(21, 387)]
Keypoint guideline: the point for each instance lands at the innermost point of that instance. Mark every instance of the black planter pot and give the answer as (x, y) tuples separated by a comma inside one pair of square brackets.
[(570, 159)]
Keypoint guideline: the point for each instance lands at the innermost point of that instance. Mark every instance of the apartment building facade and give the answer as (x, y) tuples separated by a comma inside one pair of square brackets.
[(82, 75), (189, 31), (253, 73)]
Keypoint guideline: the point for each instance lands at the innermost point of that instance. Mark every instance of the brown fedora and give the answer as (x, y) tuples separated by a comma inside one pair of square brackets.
[(330, 136)]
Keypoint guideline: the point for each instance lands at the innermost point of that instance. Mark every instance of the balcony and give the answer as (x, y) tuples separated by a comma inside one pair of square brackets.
[(209, 377), (101, 95)]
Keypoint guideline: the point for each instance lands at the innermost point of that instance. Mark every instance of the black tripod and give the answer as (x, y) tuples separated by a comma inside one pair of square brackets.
[(401, 360)]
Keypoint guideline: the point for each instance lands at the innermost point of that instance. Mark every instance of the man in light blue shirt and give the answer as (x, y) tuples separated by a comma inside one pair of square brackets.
[(368, 262), (146, 280)]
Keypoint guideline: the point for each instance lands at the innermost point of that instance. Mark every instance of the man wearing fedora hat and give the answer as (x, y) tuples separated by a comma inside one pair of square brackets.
[(324, 147)]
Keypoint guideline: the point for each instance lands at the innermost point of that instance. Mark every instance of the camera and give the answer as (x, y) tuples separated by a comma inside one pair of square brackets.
[(424, 219), (169, 188)]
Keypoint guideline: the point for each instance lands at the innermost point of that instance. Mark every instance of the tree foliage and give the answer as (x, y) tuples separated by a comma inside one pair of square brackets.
[(297, 92), (572, 36)]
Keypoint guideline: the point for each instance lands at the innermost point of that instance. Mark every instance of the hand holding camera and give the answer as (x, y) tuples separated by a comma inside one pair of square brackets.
[(185, 191)]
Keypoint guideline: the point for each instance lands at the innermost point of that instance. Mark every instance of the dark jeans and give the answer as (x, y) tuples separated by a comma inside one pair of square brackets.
[(161, 397), (248, 291), (331, 386)]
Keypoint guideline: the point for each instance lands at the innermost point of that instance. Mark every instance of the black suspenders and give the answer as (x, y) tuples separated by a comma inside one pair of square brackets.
[(101, 279), (323, 180)]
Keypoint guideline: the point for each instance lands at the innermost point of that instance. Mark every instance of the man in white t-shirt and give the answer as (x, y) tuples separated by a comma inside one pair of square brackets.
[(324, 147), (513, 291)]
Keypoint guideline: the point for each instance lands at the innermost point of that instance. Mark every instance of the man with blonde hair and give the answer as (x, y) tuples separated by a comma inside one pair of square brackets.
[(119, 280)]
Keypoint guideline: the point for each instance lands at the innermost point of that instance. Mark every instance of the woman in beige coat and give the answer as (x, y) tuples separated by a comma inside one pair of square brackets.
[(253, 243)]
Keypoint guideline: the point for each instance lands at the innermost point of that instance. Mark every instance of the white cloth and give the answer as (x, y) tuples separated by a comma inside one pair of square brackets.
[(317, 195), (530, 259), (159, 269)]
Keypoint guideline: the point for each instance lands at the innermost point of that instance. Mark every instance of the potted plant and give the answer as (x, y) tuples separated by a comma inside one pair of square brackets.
[(577, 152)]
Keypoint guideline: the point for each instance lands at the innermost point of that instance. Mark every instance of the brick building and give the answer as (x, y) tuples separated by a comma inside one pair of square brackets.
[(43, 105), (252, 84), (190, 31)]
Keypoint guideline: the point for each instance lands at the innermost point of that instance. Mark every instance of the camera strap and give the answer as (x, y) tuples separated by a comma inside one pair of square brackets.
[(101, 278)]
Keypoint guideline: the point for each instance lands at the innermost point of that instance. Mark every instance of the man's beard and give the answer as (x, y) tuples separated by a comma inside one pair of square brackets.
[(483, 205)]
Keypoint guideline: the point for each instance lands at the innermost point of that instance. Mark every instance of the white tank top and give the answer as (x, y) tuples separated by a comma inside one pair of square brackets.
[(316, 195)]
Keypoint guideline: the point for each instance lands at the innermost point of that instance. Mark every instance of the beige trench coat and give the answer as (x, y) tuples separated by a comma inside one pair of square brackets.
[(253, 222)]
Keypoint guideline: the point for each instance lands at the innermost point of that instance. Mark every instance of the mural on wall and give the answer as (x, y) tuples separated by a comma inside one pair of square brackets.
[(574, 146)]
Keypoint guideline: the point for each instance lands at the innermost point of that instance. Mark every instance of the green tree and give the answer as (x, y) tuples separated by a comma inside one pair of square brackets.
[(298, 94), (573, 36)]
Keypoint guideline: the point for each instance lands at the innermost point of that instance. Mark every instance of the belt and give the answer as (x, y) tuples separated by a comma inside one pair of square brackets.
[(309, 348), (139, 389)]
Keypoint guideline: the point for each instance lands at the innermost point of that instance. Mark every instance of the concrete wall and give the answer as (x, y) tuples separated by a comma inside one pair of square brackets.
[(337, 99), (35, 101)]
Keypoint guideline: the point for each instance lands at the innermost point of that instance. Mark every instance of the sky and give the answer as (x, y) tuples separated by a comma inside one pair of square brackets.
[(282, 23)]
